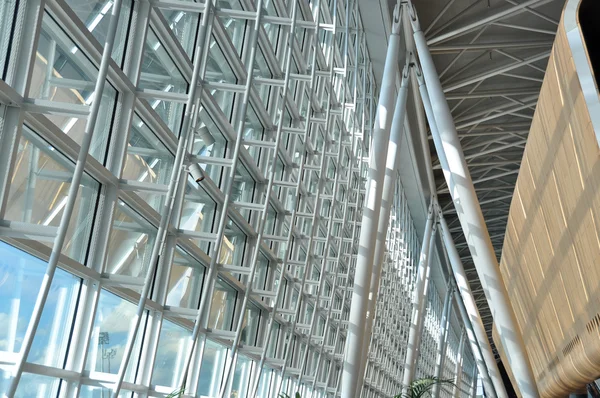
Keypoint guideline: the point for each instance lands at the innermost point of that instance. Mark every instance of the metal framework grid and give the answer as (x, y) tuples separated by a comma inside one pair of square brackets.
[(491, 57), (256, 260)]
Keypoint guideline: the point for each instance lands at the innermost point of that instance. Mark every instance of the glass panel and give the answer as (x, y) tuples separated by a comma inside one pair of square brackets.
[(62, 73), (183, 25), (21, 276), (198, 213), (235, 28), (130, 243), (223, 303), (39, 189), (95, 14), (159, 72), (7, 10), (211, 369), (148, 159), (218, 68), (185, 281), (241, 377), (170, 355), (34, 385), (109, 336)]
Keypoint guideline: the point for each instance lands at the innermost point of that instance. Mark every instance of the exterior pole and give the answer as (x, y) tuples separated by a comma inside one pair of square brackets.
[(418, 302), (370, 218), (458, 367), (65, 220), (389, 184), (478, 339), (474, 383), (482, 350), (441, 348), (472, 221)]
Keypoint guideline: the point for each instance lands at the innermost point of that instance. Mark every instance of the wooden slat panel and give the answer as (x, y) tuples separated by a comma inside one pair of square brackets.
[(551, 258)]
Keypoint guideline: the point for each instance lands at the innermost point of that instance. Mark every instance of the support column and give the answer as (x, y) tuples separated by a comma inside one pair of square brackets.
[(474, 383), (389, 185), (458, 367), (478, 339), (416, 320), (370, 219), (472, 221), (441, 348)]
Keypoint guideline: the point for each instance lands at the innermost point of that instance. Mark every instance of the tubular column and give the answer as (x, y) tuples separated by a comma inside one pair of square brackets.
[(370, 219), (389, 183), (472, 221)]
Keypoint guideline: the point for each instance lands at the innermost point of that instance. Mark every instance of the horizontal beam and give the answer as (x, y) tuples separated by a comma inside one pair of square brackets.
[(486, 21), (490, 46), (494, 93), (495, 72)]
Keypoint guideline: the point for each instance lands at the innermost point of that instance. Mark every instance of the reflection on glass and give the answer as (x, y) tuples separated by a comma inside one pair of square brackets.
[(218, 68), (114, 318), (198, 213), (221, 310), (241, 377), (95, 14), (39, 190), (170, 355), (62, 73), (185, 281), (38, 386), (232, 249), (21, 276), (130, 243), (183, 25), (159, 72), (211, 369)]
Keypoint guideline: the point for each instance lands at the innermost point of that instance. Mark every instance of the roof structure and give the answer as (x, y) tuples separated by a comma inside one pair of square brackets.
[(491, 57)]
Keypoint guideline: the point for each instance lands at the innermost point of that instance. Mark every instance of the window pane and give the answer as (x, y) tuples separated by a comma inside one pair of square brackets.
[(39, 192), (62, 73), (114, 319), (170, 355), (95, 14), (211, 369), (130, 243), (33, 385), (7, 10)]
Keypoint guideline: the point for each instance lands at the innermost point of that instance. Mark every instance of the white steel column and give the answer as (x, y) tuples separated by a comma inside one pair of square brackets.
[(473, 223), (65, 220), (482, 350), (458, 366), (479, 341), (389, 185), (474, 384), (366, 250), (441, 349), (419, 298)]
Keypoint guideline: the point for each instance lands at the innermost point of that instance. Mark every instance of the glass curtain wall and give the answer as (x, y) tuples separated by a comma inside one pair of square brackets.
[(264, 247)]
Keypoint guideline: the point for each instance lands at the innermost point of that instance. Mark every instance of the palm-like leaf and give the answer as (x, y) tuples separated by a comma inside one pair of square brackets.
[(420, 387), (177, 393)]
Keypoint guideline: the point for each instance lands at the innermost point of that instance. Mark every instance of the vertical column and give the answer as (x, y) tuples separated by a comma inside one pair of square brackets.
[(366, 251), (488, 368), (59, 240), (418, 305), (441, 348), (389, 182), (474, 383), (477, 337), (458, 367), (472, 221)]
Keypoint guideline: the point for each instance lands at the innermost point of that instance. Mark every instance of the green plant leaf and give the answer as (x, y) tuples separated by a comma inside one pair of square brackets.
[(177, 393), (420, 387)]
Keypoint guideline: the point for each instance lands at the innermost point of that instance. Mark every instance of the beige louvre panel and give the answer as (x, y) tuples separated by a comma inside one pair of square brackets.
[(551, 256)]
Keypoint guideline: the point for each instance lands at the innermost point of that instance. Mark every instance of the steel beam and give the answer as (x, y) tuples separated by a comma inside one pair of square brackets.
[(370, 218), (463, 193), (485, 21), (389, 183)]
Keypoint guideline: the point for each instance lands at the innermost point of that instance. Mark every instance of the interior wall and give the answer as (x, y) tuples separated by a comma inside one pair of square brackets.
[(551, 255)]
